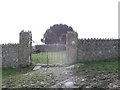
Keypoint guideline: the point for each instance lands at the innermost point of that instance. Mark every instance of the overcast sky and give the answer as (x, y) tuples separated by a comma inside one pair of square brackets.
[(90, 18)]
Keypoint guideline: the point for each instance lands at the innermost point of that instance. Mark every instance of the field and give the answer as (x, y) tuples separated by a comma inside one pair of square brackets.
[(49, 57)]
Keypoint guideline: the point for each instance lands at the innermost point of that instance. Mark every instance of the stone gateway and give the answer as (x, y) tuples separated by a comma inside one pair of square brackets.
[(17, 55)]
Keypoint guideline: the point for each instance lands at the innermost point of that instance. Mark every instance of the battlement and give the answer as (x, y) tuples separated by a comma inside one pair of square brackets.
[(98, 39), (24, 31), (10, 44), (92, 49), (17, 54)]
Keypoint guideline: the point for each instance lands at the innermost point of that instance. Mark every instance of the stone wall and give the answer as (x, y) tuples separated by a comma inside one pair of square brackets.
[(0, 67), (97, 49), (50, 47), (17, 55), (0, 56), (25, 48), (71, 47), (10, 55), (79, 50)]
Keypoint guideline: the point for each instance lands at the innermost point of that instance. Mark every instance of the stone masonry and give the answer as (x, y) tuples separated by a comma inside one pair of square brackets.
[(0, 56), (79, 50), (17, 55), (71, 47), (10, 55), (97, 49), (50, 47), (25, 48)]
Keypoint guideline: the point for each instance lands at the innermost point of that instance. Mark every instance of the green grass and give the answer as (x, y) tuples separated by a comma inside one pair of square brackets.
[(52, 57), (108, 65), (14, 77), (6, 72), (28, 81)]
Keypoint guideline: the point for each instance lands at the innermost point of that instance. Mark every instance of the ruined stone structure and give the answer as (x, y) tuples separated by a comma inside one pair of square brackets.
[(97, 49), (79, 50), (17, 55), (0, 56), (25, 48), (10, 55), (71, 47), (50, 47)]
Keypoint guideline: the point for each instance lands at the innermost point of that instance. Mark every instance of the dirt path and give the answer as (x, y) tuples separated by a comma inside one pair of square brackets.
[(62, 77), (65, 77)]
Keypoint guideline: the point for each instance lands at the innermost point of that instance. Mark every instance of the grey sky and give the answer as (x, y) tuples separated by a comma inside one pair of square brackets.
[(90, 18)]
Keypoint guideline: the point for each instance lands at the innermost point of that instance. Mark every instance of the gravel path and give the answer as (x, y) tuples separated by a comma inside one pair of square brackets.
[(65, 77)]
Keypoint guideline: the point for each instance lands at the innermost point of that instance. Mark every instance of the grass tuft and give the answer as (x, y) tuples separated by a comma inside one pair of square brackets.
[(6, 72), (107, 65)]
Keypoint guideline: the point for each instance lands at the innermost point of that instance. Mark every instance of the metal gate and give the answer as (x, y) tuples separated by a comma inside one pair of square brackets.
[(54, 54)]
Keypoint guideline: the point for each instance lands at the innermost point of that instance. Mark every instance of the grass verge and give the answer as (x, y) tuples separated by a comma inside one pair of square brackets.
[(106, 66), (6, 72), (29, 80)]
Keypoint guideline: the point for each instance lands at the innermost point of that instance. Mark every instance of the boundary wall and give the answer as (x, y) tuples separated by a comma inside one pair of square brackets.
[(17, 55), (79, 50), (97, 49), (0, 66), (50, 48)]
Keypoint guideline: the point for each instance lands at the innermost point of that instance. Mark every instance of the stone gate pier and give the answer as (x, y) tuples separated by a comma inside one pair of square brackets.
[(17, 55), (71, 47)]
